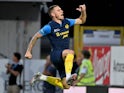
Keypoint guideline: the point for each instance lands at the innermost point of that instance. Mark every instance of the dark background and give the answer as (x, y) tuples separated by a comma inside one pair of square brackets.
[(99, 12)]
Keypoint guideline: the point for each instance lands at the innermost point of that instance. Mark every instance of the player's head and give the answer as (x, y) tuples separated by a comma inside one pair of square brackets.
[(86, 54), (16, 57), (55, 12)]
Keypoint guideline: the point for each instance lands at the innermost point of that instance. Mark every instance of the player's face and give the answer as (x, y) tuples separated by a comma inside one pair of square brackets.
[(58, 13), (15, 59)]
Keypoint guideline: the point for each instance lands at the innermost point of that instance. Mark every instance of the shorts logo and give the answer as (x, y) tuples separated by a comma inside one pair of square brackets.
[(66, 26)]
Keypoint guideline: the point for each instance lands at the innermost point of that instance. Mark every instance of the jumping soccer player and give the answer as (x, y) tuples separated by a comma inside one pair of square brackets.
[(61, 56)]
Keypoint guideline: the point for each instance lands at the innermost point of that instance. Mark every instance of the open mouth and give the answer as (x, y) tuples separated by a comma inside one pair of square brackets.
[(62, 15)]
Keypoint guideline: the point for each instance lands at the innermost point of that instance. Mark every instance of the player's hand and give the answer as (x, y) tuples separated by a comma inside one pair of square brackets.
[(28, 55), (8, 66), (81, 8)]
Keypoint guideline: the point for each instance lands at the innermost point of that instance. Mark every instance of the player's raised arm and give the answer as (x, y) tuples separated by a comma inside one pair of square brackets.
[(83, 16), (31, 45)]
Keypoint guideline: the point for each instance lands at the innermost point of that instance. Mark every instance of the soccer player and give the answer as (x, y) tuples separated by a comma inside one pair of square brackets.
[(57, 31)]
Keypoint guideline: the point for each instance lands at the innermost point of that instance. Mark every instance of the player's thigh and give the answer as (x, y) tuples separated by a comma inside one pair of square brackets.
[(57, 60)]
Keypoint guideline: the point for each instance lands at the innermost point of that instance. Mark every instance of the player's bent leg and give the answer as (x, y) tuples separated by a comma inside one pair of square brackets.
[(55, 81), (69, 56), (52, 80)]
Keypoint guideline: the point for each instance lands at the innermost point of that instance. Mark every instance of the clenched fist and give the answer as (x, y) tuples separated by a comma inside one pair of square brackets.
[(28, 55), (81, 8)]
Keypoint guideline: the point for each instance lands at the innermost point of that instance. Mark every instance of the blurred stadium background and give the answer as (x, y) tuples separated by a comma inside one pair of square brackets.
[(102, 34)]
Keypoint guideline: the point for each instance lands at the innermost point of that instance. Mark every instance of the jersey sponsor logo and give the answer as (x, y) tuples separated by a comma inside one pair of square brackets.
[(56, 30), (63, 34)]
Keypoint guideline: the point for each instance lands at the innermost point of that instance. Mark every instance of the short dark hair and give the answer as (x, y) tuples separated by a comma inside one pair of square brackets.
[(86, 54), (50, 9), (17, 55)]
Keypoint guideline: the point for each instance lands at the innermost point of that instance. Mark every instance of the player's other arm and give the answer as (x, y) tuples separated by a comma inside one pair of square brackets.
[(31, 45), (42, 32), (83, 16)]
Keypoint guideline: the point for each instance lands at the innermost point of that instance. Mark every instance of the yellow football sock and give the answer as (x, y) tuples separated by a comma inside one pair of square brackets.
[(68, 65), (55, 81)]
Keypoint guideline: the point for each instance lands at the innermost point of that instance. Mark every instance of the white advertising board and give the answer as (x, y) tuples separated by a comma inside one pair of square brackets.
[(117, 66), (32, 67), (101, 37)]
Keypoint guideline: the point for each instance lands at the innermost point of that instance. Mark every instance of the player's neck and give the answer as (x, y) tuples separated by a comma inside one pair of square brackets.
[(58, 21)]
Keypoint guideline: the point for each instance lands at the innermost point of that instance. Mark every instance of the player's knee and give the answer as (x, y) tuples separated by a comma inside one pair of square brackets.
[(71, 52), (66, 52)]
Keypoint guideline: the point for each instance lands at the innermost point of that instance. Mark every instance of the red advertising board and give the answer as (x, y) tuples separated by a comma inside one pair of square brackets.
[(100, 56)]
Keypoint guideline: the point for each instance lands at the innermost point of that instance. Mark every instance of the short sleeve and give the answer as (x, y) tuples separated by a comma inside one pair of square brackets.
[(45, 30), (19, 68), (84, 68), (72, 21)]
